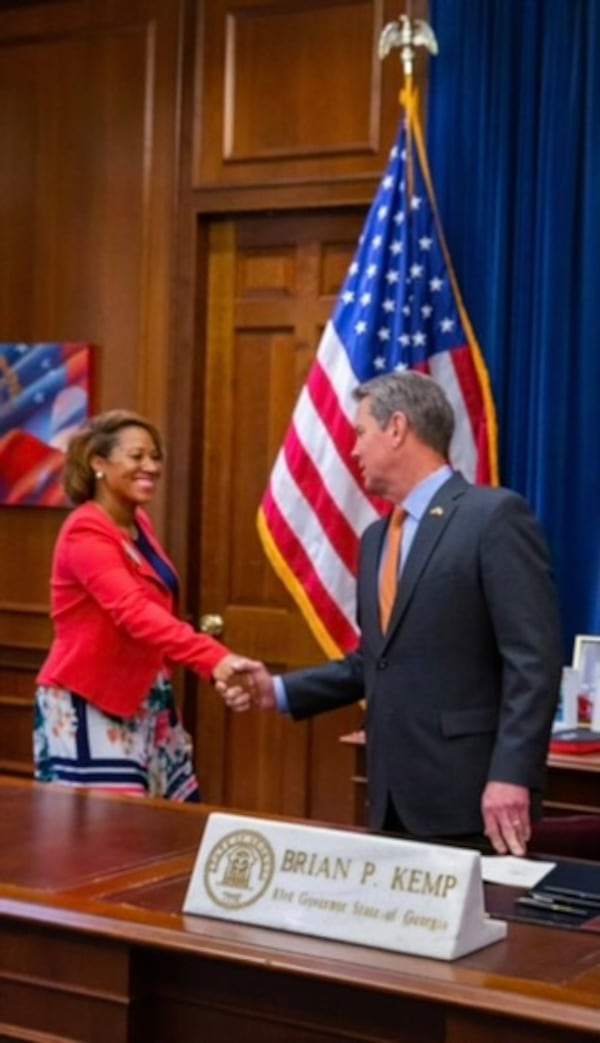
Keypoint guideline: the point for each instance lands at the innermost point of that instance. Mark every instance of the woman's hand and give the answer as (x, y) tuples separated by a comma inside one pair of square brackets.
[(236, 670)]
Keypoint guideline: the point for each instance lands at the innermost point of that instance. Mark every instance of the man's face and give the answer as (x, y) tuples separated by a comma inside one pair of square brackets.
[(373, 450)]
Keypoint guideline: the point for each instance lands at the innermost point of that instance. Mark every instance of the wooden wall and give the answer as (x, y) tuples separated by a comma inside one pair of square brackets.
[(88, 132), (138, 140)]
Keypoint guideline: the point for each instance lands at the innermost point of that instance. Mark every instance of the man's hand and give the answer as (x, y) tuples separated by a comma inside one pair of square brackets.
[(248, 685), (505, 810)]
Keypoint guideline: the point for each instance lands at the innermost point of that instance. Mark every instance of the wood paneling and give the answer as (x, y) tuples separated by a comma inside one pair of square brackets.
[(88, 120), (88, 126), (16, 715), (293, 94), (269, 116)]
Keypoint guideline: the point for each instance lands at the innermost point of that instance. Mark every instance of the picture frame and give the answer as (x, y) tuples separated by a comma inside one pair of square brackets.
[(567, 716), (586, 659)]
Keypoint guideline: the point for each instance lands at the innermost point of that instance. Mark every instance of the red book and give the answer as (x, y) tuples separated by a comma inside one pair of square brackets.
[(575, 740)]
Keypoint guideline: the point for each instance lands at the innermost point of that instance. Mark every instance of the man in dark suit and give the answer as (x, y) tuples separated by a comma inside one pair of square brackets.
[(461, 685)]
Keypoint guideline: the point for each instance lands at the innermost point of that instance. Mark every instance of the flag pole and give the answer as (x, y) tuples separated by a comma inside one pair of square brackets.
[(405, 35)]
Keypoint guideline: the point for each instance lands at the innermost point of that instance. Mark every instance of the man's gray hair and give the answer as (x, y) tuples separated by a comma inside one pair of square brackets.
[(422, 401)]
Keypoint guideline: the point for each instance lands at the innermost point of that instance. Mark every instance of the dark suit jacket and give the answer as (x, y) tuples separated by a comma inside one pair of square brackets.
[(463, 687)]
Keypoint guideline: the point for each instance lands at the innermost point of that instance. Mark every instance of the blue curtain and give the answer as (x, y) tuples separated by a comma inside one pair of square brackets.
[(513, 132)]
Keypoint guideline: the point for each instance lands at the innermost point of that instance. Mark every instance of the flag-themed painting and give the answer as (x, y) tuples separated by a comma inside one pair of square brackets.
[(44, 396)]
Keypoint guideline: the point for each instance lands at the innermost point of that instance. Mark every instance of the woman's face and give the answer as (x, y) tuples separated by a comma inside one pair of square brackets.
[(132, 469)]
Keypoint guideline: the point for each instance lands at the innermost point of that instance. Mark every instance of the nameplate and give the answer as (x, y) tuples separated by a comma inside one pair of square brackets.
[(393, 894)]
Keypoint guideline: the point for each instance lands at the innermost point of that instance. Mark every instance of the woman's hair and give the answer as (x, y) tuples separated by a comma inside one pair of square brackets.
[(98, 438)]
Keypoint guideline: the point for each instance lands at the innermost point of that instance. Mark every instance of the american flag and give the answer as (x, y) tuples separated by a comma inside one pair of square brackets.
[(399, 308)]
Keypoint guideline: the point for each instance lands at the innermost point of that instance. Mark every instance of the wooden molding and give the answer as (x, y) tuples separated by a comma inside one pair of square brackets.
[(333, 114)]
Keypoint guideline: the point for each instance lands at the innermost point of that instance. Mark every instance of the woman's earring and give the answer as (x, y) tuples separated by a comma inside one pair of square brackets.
[(98, 475)]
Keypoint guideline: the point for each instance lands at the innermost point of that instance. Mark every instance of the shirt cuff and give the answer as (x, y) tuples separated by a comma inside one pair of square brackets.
[(281, 699)]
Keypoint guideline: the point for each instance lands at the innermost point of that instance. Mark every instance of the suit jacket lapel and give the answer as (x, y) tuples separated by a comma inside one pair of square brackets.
[(140, 563), (430, 530), (130, 551)]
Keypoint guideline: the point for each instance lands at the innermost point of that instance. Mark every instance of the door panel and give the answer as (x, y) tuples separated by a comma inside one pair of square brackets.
[(272, 283)]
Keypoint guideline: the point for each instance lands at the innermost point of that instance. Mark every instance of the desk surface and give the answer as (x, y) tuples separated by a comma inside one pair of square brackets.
[(91, 885)]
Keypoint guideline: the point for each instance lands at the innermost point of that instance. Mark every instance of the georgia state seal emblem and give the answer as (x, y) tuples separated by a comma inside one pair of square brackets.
[(239, 868)]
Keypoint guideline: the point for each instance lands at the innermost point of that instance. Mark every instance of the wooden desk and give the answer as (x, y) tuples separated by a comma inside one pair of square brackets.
[(93, 947), (573, 784)]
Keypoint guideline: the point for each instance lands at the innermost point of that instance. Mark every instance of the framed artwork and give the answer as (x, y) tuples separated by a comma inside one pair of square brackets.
[(567, 710), (44, 396), (586, 659)]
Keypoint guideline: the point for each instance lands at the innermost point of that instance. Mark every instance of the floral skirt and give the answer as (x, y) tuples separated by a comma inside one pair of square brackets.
[(77, 744)]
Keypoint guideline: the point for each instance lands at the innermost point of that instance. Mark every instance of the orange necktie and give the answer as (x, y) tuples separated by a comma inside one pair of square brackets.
[(388, 579)]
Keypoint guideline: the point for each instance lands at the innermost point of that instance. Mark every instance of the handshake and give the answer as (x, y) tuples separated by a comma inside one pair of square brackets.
[(244, 683)]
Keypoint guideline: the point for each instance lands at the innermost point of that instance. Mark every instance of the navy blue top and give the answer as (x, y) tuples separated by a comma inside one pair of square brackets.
[(160, 566)]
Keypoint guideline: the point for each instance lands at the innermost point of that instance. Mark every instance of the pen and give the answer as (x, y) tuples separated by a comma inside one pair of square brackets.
[(552, 906), (593, 904), (574, 896)]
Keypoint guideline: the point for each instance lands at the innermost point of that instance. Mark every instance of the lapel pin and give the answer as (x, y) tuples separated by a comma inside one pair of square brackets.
[(438, 511)]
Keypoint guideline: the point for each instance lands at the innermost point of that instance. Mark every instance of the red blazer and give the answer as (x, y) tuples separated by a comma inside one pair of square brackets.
[(113, 616)]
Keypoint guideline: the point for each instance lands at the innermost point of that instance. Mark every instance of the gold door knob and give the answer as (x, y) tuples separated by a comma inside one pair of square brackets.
[(212, 624)]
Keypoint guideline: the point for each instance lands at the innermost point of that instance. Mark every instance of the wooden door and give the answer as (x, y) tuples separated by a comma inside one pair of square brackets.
[(272, 284)]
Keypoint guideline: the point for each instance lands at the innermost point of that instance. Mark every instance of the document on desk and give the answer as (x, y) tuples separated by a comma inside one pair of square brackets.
[(512, 871)]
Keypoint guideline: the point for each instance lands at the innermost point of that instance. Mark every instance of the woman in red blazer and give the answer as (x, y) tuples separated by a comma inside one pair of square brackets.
[(105, 715)]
